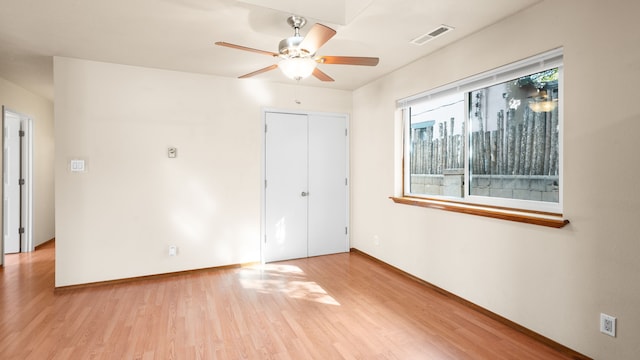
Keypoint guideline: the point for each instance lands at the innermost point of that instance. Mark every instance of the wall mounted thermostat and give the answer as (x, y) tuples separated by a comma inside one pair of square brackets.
[(172, 152)]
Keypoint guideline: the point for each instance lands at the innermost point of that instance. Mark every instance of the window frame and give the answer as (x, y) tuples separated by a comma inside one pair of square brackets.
[(538, 63)]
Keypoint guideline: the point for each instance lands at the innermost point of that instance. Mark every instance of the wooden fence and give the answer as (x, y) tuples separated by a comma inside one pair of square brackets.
[(432, 154), (526, 146)]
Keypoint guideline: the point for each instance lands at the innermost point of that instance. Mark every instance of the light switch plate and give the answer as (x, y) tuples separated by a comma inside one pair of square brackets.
[(76, 165)]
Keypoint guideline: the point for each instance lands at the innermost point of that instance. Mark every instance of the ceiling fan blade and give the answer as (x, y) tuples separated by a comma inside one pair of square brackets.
[(349, 60), (321, 75), (240, 47), (268, 68), (316, 37)]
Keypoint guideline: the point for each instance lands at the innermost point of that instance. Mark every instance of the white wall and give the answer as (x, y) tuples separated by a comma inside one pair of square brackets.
[(118, 219), (40, 110), (553, 281)]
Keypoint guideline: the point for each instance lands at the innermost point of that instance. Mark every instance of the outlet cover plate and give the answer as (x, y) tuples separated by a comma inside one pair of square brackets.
[(608, 325)]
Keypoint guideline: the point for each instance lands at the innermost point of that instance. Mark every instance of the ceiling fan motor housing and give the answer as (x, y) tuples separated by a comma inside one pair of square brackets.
[(290, 47)]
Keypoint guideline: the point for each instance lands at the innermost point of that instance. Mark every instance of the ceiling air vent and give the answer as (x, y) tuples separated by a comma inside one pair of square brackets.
[(423, 39)]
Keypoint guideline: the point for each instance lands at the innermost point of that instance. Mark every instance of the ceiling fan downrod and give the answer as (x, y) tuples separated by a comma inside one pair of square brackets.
[(296, 22)]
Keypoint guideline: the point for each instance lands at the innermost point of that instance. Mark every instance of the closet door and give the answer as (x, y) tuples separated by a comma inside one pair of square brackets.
[(286, 186), (306, 198), (328, 217)]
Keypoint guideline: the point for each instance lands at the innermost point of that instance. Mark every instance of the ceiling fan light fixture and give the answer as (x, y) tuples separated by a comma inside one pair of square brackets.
[(297, 68)]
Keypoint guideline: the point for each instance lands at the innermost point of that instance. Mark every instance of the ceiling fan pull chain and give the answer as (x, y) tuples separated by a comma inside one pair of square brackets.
[(295, 92)]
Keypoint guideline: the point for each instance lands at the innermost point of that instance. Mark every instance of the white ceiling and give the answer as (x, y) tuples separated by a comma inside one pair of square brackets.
[(180, 34)]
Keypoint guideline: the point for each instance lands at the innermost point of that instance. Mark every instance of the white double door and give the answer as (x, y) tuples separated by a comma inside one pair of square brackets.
[(306, 185)]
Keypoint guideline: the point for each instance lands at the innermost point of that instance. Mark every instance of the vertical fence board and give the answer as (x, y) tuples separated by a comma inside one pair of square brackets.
[(487, 152), (553, 167), (511, 142), (547, 144)]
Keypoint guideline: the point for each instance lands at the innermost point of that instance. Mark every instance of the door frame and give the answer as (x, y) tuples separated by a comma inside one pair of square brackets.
[(263, 168), (26, 124)]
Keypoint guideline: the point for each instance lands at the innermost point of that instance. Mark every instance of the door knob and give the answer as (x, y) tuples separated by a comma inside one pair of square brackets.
[(304, 193)]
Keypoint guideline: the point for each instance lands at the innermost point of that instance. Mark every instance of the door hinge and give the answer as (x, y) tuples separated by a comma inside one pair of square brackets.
[(346, 230), (265, 184), (21, 230), (265, 127), (21, 133), (346, 181), (345, 132), (265, 238), (21, 182)]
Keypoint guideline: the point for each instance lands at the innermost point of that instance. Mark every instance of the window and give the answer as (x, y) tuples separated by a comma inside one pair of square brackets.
[(490, 140)]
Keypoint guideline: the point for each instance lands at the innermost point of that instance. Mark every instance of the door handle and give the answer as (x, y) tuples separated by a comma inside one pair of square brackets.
[(304, 193)]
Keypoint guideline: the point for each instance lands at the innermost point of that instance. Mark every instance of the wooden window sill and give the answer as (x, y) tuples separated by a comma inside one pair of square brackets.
[(529, 217)]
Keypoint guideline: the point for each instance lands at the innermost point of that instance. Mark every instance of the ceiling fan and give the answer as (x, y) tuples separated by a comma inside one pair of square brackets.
[(297, 53)]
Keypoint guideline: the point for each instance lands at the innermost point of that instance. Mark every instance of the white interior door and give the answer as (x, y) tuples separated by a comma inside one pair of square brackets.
[(286, 186), (306, 194), (11, 187), (328, 184)]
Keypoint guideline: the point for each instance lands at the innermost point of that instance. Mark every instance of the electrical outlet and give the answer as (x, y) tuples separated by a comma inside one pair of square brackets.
[(608, 325), (173, 250)]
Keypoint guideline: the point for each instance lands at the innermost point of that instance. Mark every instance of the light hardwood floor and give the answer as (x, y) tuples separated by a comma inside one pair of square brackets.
[(343, 306)]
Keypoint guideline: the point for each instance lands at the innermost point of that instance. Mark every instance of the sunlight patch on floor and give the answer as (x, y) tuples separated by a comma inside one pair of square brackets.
[(285, 279)]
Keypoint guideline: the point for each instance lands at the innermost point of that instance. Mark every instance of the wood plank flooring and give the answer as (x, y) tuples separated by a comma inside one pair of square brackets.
[(343, 306)]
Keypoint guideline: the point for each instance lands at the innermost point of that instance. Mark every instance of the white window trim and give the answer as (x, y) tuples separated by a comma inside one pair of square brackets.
[(537, 63)]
